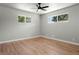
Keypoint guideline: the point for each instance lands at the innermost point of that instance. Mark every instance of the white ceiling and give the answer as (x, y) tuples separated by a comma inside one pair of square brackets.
[(31, 7)]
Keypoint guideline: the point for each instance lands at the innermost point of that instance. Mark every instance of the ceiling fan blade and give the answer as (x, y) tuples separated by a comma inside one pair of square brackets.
[(45, 7)]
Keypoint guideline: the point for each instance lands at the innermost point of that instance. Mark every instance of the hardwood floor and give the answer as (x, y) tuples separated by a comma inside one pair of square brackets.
[(38, 46)]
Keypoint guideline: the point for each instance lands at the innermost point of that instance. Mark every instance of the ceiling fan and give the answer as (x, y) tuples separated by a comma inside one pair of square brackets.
[(38, 5)]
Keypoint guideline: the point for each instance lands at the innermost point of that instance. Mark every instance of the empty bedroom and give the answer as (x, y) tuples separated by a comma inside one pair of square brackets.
[(39, 28)]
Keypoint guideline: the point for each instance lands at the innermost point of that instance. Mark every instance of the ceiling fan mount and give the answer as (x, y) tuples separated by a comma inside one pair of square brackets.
[(38, 5)]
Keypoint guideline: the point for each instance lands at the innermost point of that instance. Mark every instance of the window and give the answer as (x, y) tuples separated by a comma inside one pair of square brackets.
[(21, 19), (52, 19), (63, 17), (24, 19), (59, 18)]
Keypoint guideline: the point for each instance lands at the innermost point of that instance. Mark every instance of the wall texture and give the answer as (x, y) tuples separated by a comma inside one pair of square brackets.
[(10, 29), (68, 31)]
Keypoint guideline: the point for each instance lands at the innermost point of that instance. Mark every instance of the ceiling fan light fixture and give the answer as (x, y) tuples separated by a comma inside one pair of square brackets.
[(39, 7)]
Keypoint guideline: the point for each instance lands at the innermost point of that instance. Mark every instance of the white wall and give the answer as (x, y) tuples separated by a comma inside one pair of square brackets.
[(10, 29), (68, 31)]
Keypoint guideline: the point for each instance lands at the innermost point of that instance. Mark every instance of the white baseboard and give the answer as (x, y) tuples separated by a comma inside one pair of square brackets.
[(40, 36), (60, 40), (20, 39)]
